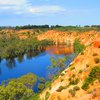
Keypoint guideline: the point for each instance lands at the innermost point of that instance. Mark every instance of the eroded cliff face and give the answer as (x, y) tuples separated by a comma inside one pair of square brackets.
[(22, 33), (68, 37), (69, 85)]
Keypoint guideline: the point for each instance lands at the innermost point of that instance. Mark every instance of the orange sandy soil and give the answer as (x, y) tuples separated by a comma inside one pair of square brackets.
[(22, 34), (60, 37), (92, 41)]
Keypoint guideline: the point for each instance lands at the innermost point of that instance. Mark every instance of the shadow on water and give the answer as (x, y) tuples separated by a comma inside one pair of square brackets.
[(20, 58), (10, 63)]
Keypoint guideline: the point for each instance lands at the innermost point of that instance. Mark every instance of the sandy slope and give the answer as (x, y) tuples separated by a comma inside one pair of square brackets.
[(84, 62)]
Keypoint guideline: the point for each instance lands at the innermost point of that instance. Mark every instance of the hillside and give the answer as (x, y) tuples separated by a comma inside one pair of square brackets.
[(81, 80)]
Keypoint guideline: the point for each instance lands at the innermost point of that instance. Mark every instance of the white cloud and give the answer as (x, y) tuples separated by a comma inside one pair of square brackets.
[(46, 9), (12, 2), (24, 6)]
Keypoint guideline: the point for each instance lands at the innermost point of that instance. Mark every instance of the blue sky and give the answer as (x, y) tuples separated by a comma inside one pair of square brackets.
[(52, 12)]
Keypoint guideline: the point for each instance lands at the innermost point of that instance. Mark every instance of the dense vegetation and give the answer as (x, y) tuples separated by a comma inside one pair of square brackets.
[(12, 46), (18, 89), (78, 47)]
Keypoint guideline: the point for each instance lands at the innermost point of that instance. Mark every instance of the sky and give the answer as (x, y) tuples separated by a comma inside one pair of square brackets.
[(51, 12)]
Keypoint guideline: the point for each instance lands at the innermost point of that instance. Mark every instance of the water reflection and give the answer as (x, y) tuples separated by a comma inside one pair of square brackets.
[(59, 49), (10, 63), (0, 60), (0, 71), (20, 58), (31, 54)]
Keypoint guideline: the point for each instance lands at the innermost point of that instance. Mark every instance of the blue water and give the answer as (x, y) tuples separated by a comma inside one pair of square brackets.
[(37, 65)]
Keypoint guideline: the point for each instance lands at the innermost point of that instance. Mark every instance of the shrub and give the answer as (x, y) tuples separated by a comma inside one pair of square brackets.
[(74, 82), (93, 75), (70, 79), (34, 97), (41, 86), (95, 54), (73, 75), (62, 74), (47, 95), (62, 80), (15, 91), (96, 60), (87, 65), (82, 53), (48, 84), (60, 88), (50, 88), (72, 92), (80, 71), (72, 68), (76, 88), (42, 80), (55, 76)]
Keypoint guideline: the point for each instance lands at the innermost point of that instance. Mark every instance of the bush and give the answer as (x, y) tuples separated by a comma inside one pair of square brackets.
[(48, 84), (41, 86), (60, 88), (72, 92), (82, 53), (72, 68), (93, 75), (74, 82), (42, 80), (73, 75), (15, 91), (35, 96), (87, 65), (62, 74), (80, 71), (76, 88), (95, 54), (62, 80), (96, 60), (47, 95)]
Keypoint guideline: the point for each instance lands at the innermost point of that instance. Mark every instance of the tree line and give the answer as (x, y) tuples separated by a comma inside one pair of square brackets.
[(48, 26)]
